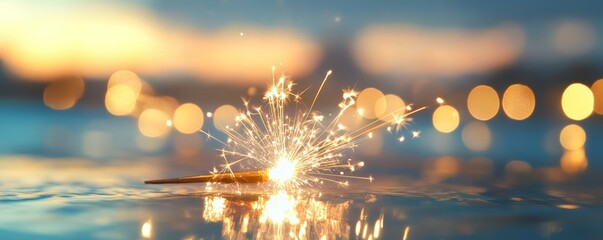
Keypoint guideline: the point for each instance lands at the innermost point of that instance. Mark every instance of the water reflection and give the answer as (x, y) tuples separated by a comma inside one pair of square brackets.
[(278, 216)]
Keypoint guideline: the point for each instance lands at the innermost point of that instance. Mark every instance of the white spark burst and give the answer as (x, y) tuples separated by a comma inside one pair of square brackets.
[(297, 146)]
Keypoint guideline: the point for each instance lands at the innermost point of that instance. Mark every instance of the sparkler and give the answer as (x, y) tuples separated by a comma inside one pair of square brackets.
[(291, 147)]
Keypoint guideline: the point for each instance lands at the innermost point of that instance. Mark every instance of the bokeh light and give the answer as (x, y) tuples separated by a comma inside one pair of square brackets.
[(518, 168), (574, 161), (225, 116), (394, 108), (127, 78), (483, 102), (63, 94), (572, 137), (407, 49), (574, 37), (518, 102), (577, 101), (368, 103), (441, 168), (188, 118), (597, 89), (120, 100), (479, 168), (446, 118), (151, 123), (476, 136)]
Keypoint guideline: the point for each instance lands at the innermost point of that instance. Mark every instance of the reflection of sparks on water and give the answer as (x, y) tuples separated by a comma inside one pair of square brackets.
[(300, 149), (278, 216), (363, 225), (146, 229), (214, 209), (406, 230)]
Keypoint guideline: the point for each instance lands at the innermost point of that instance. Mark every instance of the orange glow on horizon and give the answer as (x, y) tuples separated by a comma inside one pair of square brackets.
[(93, 40), (405, 49)]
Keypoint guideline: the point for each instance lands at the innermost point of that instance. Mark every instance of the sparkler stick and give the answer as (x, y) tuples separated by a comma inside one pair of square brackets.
[(253, 176)]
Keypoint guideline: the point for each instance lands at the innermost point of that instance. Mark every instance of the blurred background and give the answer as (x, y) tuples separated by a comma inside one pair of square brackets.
[(99, 80), (108, 92)]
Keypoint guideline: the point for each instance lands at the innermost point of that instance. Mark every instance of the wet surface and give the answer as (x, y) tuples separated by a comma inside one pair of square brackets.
[(78, 199)]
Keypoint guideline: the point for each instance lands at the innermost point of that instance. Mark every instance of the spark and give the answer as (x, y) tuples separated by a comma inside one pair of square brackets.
[(415, 134), (406, 230), (439, 100), (293, 146)]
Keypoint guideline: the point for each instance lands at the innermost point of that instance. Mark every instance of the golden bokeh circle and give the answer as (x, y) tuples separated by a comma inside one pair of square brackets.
[(574, 161), (517, 167), (476, 136), (572, 137), (120, 100), (446, 118), (577, 101), (152, 123), (394, 108), (225, 116), (483, 102), (518, 102), (188, 118), (63, 94), (368, 103), (125, 77), (597, 89)]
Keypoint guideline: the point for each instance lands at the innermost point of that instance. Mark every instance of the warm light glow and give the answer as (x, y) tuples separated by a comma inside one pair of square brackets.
[(151, 123), (280, 208), (477, 136), (446, 118), (368, 101), (278, 216), (283, 171), (225, 116), (146, 230), (572, 137), (213, 210), (188, 118), (441, 168), (92, 39), (299, 145), (394, 108), (577, 101), (120, 100), (251, 91), (597, 89), (568, 206), (479, 168), (412, 50), (63, 94), (574, 161), (483, 102), (127, 78), (518, 168), (518, 102), (574, 37)]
